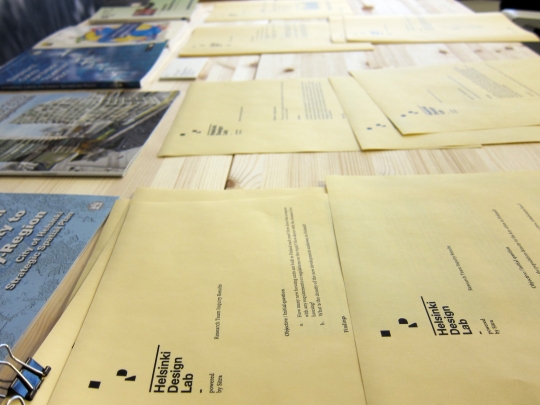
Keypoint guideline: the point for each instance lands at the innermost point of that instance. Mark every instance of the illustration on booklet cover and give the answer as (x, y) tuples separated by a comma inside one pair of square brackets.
[(107, 35), (41, 236), (155, 10), (80, 68), (78, 133)]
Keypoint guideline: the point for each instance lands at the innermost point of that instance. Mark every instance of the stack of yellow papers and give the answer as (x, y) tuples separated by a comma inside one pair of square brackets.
[(222, 296), (56, 348), (278, 37), (221, 299), (467, 104), (442, 275), (482, 27)]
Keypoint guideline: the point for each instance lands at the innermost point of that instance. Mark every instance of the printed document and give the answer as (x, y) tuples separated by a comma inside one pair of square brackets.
[(470, 27), (244, 297), (278, 37), (374, 131), (261, 116), (457, 97), (277, 10), (57, 346), (442, 275)]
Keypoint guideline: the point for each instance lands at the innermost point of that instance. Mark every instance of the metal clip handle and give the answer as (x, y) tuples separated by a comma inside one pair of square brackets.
[(29, 378), (21, 399), (21, 377), (22, 363)]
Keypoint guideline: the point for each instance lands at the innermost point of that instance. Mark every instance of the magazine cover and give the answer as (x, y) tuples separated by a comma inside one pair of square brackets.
[(85, 36), (80, 68), (154, 10), (41, 236), (76, 133)]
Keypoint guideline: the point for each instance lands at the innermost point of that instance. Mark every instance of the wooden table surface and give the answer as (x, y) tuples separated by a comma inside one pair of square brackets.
[(305, 169)]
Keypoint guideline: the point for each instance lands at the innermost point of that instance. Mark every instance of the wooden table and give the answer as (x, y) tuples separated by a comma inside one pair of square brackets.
[(306, 169)]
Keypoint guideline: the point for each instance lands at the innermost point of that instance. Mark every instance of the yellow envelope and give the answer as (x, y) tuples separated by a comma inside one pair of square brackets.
[(375, 132), (470, 27), (249, 39), (277, 10), (457, 97), (442, 275), (261, 116), (219, 301)]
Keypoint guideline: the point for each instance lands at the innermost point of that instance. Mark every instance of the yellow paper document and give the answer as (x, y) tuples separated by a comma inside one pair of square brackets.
[(56, 348), (228, 302), (470, 27), (442, 274), (261, 116), (374, 131), (278, 37), (457, 97), (277, 10)]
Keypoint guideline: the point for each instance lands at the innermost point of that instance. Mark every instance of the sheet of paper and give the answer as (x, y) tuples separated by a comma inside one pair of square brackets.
[(277, 10), (55, 349), (374, 131), (261, 116), (442, 276), (244, 297), (457, 97), (470, 27), (184, 68), (277, 37)]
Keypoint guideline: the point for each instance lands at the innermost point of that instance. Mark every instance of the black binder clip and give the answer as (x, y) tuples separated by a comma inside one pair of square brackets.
[(29, 378)]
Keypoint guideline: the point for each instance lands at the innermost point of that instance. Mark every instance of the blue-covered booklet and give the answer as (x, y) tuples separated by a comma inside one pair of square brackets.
[(41, 237), (80, 68)]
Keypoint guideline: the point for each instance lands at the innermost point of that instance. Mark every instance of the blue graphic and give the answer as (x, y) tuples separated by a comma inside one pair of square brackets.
[(41, 236), (68, 68)]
